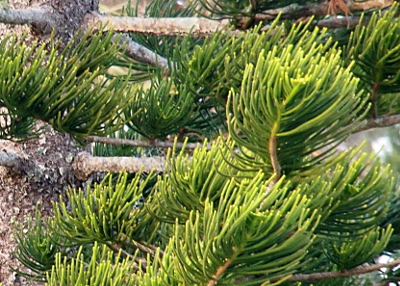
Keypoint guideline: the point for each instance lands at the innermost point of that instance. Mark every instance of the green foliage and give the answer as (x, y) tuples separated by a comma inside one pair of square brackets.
[(225, 236), (103, 268), (70, 91), (291, 106), (363, 197), (375, 50), (37, 248), (109, 213), (347, 255), (165, 109), (189, 182)]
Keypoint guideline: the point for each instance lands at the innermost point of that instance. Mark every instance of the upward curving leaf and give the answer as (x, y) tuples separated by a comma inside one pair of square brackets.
[(253, 233), (291, 106)]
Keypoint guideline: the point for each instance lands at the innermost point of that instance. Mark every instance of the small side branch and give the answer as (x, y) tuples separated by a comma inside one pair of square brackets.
[(273, 153), (140, 53), (343, 274), (220, 271), (142, 143), (383, 121), (84, 164), (38, 17), (295, 11), (334, 23), (20, 165), (117, 249)]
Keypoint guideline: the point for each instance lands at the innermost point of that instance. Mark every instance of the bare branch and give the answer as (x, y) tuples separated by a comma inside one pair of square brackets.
[(85, 164), (37, 17), (343, 274), (333, 23), (140, 53), (21, 165), (117, 249), (383, 121), (295, 11), (196, 27), (142, 143)]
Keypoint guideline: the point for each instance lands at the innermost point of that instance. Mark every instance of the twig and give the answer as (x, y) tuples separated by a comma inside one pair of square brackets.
[(333, 23), (343, 274), (118, 249), (273, 153), (220, 271), (142, 143), (383, 121), (139, 261), (38, 17), (21, 165), (374, 99), (295, 11), (142, 246), (140, 53)]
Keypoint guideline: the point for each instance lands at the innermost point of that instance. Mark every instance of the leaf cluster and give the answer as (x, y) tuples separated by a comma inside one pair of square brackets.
[(68, 89), (273, 200)]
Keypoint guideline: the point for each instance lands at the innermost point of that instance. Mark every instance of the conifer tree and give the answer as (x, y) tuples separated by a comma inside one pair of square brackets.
[(219, 141)]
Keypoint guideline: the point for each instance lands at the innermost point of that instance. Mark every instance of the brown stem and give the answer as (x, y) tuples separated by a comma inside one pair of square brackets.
[(382, 121), (220, 271), (141, 53), (142, 246), (295, 11), (138, 260), (374, 99), (273, 154), (343, 274)]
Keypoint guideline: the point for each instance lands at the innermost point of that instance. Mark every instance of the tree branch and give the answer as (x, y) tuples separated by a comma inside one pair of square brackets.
[(196, 27), (85, 164), (38, 17), (334, 23), (343, 274), (140, 53), (295, 11), (220, 271), (141, 143), (18, 164), (383, 121)]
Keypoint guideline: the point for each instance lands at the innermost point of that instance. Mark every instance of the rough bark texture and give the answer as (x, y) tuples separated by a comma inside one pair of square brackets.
[(52, 153), (45, 175), (69, 15)]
